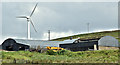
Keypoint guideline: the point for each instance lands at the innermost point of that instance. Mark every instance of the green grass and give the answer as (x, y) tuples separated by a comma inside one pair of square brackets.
[(0, 57), (92, 35), (100, 56)]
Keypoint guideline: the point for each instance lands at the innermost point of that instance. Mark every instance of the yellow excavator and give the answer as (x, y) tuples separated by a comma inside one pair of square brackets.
[(55, 49)]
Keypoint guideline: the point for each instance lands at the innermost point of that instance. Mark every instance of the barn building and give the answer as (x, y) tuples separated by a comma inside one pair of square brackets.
[(80, 44), (108, 42), (102, 43), (23, 44)]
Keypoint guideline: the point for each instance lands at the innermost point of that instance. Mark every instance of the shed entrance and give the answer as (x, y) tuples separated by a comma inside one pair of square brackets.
[(9, 48), (21, 48)]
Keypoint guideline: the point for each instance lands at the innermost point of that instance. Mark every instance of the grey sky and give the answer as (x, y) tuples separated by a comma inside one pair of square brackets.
[(62, 18)]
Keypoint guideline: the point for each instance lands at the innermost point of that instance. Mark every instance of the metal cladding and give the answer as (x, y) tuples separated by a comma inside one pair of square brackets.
[(15, 43), (80, 46), (35, 43), (10, 45), (108, 41), (90, 44)]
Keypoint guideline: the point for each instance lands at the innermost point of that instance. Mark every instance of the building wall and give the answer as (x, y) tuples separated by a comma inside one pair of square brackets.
[(35, 43), (81, 46), (107, 48), (108, 41), (23, 47), (12, 45), (0, 46)]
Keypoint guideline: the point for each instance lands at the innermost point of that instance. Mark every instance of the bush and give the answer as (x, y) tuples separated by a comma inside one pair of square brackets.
[(60, 52), (43, 50), (51, 52), (63, 52)]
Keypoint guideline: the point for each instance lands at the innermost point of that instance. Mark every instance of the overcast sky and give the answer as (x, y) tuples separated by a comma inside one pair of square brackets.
[(62, 18)]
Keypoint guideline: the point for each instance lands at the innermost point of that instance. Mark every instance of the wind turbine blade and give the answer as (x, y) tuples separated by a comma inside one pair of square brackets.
[(33, 10), (33, 25), (21, 17)]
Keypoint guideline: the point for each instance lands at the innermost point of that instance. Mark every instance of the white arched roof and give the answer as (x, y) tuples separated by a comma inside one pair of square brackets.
[(108, 41)]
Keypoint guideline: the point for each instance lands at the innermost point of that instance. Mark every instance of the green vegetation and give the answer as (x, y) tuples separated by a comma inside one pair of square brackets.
[(66, 56), (92, 35), (0, 57), (63, 56)]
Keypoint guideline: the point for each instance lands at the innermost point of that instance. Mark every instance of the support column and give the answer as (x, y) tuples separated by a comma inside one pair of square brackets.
[(28, 30), (95, 47)]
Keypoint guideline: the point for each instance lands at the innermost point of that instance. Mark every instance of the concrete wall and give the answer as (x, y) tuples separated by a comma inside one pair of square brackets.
[(108, 48)]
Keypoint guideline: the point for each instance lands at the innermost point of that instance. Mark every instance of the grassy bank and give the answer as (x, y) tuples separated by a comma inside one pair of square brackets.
[(92, 35), (101, 56)]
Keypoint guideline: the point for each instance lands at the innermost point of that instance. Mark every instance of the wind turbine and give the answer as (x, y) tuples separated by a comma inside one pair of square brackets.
[(29, 21)]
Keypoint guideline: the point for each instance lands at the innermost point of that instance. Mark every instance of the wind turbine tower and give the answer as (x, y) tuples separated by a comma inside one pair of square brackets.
[(29, 20)]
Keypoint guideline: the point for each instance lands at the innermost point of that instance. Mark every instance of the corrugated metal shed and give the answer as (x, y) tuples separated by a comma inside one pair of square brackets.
[(81, 46), (35, 43), (108, 41), (22, 44)]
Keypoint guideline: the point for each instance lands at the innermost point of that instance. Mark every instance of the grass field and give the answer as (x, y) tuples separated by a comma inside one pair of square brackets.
[(99, 56), (93, 35)]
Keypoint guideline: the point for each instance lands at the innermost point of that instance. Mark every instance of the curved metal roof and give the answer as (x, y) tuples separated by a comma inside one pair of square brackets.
[(108, 41), (35, 43)]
